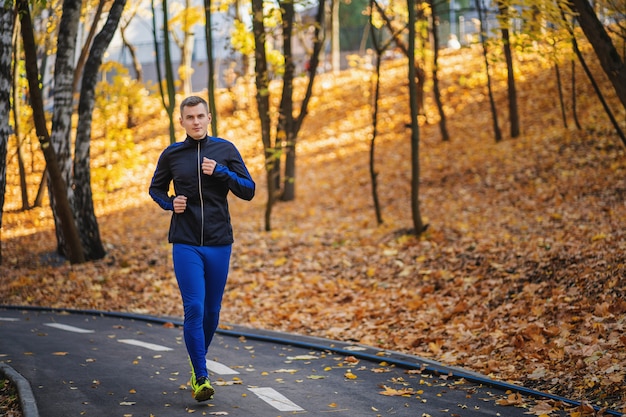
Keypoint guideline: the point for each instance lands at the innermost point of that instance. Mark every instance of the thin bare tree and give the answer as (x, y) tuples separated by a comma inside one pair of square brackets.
[(611, 61), (505, 19), (263, 105), (168, 95), (7, 19), (435, 73), (418, 224), (494, 112), (17, 123), (210, 65), (84, 51)]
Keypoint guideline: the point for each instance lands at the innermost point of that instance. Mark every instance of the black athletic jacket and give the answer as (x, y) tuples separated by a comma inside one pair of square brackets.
[(206, 220)]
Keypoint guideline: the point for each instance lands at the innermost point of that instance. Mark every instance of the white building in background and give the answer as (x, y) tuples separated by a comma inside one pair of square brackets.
[(140, 34), (227, 60), (457, 27)]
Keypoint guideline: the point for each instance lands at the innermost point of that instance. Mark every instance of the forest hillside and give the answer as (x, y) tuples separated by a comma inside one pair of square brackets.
[(520, 275)]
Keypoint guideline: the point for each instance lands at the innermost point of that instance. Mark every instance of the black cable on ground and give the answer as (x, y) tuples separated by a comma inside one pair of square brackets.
[(313, 343)]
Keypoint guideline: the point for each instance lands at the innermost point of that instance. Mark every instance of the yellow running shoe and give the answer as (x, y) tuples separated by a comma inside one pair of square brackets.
[(201, 389)]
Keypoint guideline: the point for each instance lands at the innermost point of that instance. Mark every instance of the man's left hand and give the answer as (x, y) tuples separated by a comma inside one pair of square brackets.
[(208, 166)]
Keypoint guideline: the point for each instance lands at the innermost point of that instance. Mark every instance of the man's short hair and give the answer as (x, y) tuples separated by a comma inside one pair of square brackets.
[(193, 101)]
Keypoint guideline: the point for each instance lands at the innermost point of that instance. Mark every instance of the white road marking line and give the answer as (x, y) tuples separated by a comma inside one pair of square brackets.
[(220, 368), (146, 345), (275, 399), (68, 328), (8, 319)]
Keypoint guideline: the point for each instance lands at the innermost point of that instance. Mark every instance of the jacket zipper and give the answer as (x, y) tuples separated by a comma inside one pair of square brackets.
[(199, 165)]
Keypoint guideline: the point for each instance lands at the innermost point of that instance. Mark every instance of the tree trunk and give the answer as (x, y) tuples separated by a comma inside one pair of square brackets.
[(289, 125), (335, 47), (58, 187), (494, 112), (245, 59), (436, 92), (169, 73), (284, 129), (596, 88), (63, 87), (7, 19), (131, 120), (263, 103), (63, 105), (157, 54), (610, 59), (418, 224), (211, 65), (185, 45), (508, 55), (594, 84), (46, 43), (132, 50), (43, 186), (314, 61), (170, 103), (80, 64), (373, 174), (559, 88), (419, 72), (16, 122), (574, 100), (83, 200)]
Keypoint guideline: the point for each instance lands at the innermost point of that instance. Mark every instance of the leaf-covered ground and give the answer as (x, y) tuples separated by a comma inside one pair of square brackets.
[(520, 275), (9, 401)]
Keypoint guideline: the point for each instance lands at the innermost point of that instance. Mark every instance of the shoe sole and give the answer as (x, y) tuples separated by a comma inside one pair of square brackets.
[(204, 394)]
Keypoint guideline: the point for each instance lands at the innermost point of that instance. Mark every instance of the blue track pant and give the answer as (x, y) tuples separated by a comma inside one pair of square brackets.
[(201, 272)]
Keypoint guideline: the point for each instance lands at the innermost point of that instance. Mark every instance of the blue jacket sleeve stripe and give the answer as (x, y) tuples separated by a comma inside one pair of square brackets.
[(240, 185)]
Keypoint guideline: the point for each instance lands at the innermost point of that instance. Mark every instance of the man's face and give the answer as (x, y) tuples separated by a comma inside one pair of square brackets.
[(195, 120)]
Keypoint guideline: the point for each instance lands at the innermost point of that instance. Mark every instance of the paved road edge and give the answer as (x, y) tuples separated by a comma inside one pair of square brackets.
[(318, 343), (24, 391)]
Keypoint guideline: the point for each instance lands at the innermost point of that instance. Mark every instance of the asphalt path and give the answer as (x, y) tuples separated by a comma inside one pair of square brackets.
[(96, 364)]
